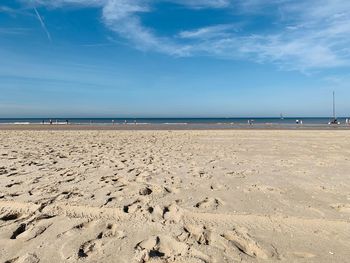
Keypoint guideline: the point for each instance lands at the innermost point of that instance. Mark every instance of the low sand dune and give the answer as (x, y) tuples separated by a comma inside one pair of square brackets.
[(174, 196)]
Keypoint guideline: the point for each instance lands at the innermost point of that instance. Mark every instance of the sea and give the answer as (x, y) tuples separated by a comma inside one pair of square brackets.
[(172, 121)]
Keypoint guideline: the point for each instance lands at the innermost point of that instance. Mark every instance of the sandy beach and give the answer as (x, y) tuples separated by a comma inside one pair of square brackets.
[(174, 196)]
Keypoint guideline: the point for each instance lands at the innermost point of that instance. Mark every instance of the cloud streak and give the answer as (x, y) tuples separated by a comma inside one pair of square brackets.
[(302, 35), (14, 31), (200, 4), (210, 32), (42, 24)]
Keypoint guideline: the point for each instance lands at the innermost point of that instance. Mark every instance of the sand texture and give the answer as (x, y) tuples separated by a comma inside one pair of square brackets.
[(174, 196)]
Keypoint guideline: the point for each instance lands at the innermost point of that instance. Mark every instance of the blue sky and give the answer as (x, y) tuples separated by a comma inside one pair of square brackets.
[(173, 58)]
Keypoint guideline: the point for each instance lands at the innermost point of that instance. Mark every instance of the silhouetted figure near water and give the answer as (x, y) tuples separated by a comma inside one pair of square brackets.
[(50, 122)]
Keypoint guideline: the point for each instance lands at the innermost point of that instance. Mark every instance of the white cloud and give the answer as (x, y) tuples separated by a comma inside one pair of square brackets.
[(304, 35), (121, 17), (199, 4), (217, 31)]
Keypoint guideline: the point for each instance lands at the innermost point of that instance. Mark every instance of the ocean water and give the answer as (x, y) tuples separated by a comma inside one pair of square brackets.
[(170, 121)]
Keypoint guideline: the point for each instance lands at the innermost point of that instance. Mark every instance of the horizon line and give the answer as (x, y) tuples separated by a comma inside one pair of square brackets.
[(240, 117)]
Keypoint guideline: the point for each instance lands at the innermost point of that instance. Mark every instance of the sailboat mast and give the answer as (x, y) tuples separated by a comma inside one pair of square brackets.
[(333, 105)]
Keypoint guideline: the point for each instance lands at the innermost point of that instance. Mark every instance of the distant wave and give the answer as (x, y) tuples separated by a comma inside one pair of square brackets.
[(136, 123), (175, 123), (21, 123)]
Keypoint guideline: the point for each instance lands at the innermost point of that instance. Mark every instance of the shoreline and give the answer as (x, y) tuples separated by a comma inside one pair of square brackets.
[(191, 126)]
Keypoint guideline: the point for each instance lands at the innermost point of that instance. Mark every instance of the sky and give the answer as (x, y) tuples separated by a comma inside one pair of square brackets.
[(174, 58)]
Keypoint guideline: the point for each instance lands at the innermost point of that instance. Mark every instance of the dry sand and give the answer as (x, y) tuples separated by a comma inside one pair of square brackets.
[(174, 196)]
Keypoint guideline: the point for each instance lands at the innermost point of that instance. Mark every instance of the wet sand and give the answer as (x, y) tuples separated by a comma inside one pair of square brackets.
[(82, 195)]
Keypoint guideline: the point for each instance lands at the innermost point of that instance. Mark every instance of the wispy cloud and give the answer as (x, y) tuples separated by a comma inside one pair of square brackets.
[(13, 11), (6, 9), (200, 4), (210, 32), (14, 30), (42, 24), (302, 35)]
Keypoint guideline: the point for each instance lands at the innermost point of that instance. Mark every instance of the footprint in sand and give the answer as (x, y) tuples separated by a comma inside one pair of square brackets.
[(266, 189), (196, 234), (160, 247), (13, 184), (18, 231), (3, 170), (34, 231), (209, 203), (216, 187), (10, 216), (89, 247), (132, 207), (173, 213), (145, 191), (240, 238), (303, 255), (29, 229), (216, 247), (27, 258), (343, 208), (236, 174), (73, 249)]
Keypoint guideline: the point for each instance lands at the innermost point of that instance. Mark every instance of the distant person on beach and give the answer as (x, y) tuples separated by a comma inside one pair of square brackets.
[(67, 122), (50, 122), (43, 122), (297, 121)]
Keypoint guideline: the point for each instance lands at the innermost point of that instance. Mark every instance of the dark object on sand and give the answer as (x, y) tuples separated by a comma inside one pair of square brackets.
[(334, 121)]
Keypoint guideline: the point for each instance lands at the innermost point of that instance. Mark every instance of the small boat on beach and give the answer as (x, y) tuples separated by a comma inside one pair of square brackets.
[(334, 121)]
